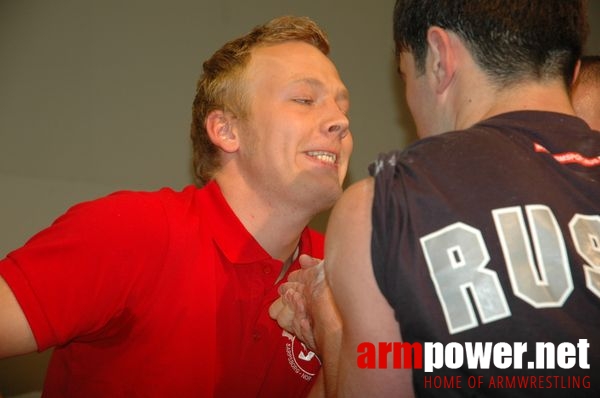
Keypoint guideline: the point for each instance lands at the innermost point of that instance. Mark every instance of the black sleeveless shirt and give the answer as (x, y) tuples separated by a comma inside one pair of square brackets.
[(492, 235)]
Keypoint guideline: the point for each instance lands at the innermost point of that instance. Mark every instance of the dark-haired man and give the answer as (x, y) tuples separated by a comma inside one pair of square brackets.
[(485, 231)]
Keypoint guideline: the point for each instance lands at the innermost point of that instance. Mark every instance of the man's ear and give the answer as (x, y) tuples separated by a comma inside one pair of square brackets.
[(442, 57), (576, 72), (220, 126)]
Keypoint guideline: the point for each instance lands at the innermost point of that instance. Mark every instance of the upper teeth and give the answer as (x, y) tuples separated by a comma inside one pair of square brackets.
[(326, 157)]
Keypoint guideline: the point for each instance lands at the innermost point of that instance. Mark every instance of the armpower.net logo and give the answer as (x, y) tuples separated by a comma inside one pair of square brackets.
[(481, 355)]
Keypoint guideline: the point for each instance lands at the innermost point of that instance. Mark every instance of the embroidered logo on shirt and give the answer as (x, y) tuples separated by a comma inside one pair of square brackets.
[(303, 361)]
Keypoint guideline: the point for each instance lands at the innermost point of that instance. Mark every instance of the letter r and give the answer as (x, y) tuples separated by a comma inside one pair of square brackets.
[(456, 257)]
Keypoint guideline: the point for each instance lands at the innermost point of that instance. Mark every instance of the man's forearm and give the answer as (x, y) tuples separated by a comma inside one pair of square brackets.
[(328, 337)]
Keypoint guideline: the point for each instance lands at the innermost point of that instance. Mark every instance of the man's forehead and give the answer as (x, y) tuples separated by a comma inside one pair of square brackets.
[(303, 64)]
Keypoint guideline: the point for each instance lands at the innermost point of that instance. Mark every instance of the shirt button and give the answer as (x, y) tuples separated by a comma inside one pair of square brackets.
[(267, 270), (256, 336)]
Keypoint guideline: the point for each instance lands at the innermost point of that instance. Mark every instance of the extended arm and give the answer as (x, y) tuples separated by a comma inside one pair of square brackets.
[(15, 334), (333, 316), (365, 313)]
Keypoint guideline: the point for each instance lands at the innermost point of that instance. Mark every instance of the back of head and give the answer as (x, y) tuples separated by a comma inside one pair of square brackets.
[(511, 40), (221, 85)]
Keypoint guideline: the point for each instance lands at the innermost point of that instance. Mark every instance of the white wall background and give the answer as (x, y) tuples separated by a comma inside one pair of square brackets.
[(95, 96)]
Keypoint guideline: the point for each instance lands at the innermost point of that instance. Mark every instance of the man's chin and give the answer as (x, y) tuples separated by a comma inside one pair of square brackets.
[(328, 200), (324, 190)]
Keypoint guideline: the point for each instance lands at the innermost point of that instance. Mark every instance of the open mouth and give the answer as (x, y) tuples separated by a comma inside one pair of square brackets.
[(325, 157)]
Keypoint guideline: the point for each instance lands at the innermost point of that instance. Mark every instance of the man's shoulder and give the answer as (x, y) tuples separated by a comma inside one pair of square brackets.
[(355, 204)]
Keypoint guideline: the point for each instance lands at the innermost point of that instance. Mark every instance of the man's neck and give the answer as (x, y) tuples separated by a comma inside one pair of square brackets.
[(549, 97), (274, 226)]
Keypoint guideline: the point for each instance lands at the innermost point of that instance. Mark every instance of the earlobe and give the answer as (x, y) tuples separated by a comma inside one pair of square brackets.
[(442, 57), (221, 130)]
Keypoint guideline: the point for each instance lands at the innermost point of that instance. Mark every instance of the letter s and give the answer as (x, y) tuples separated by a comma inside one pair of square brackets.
[(585, 231)]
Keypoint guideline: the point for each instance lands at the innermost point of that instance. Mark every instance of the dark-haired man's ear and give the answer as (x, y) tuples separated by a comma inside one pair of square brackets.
[(576, 71), (221, 130), (441, 58)]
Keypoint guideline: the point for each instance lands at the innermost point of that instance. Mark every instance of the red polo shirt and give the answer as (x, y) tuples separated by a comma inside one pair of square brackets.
[(158, 294)]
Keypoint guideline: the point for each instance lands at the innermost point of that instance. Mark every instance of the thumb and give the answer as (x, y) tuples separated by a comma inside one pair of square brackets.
[(307, 261)]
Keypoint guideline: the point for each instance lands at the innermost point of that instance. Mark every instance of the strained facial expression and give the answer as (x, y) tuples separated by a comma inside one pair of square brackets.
[(296, 140)]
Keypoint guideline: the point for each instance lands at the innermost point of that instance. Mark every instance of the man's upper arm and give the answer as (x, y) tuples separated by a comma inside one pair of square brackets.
[(366, 314), (16, 336)]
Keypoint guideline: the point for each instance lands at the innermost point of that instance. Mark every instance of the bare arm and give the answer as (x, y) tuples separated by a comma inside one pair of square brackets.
[(365, 313), (318, 389), (333, 316), (15, 334)]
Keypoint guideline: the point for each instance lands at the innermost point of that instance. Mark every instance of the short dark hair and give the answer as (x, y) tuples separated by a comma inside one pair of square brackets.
[(511, 40)]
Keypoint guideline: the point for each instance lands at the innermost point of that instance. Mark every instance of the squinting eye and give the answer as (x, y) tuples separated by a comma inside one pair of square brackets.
[(305, 101)]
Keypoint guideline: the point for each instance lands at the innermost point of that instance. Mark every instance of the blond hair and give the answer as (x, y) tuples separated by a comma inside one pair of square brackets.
[(221, 85)]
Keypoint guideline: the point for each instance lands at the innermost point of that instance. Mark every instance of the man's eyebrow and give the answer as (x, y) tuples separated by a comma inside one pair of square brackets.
[(308, 80)]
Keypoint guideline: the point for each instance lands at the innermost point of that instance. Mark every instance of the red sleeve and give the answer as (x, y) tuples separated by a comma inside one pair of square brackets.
[(77, 275)]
